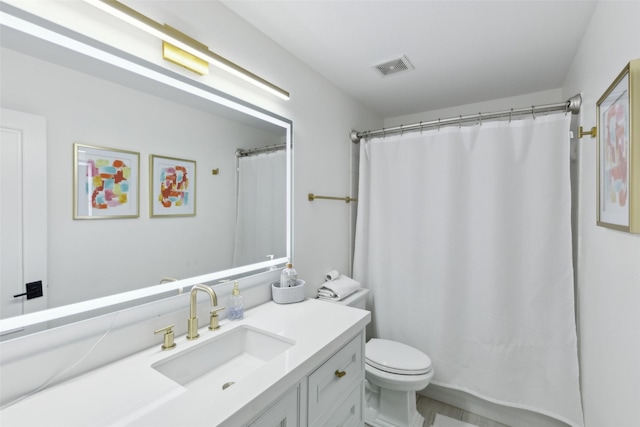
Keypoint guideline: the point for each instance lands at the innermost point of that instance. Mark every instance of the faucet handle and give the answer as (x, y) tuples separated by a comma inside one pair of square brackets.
[(213, 320), (168, 337)]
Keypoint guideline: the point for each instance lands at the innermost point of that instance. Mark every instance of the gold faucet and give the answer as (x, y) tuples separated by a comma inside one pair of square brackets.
[(192, 325)]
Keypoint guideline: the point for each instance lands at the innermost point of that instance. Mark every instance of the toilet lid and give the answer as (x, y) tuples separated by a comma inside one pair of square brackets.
[(396, 358)]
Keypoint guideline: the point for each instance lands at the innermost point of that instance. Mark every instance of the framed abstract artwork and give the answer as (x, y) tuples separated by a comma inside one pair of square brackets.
[(105, 182), (172, 186), (618, 169)]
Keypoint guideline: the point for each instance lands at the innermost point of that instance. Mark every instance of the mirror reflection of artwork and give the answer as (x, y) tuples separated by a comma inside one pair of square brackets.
[(106, 183), (172, 187)]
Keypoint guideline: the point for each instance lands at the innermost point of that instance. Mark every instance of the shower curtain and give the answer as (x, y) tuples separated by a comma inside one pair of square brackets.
[(261, 215), (464, 237)]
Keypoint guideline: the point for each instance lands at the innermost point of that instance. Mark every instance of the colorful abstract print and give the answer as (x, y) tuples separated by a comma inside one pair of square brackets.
[(108, 183), (174, 186), (616, 146)]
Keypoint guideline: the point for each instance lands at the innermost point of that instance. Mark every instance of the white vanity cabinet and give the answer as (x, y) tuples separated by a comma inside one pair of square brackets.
[(334, 394)]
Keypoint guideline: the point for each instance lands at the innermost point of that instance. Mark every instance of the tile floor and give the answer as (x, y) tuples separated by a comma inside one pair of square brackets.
[(429, 407)]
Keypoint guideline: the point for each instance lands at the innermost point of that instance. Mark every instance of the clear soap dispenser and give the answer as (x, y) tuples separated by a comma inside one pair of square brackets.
[(288, 277), (236, 303)]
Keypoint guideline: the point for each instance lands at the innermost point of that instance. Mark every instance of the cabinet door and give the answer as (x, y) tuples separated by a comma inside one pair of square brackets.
[(349, 411), (285, 413)]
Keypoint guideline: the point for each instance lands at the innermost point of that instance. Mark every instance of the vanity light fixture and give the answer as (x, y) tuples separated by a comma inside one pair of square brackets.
[(178, 56), (186, 44)]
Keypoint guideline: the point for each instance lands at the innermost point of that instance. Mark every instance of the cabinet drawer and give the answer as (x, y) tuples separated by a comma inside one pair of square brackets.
[(335, 378), (349, 413)]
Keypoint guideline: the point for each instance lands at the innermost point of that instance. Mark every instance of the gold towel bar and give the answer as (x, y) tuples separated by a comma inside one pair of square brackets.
[(347, 199)]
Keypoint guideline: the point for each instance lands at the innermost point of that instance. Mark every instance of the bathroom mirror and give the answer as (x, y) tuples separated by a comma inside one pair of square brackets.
[(92, 94)]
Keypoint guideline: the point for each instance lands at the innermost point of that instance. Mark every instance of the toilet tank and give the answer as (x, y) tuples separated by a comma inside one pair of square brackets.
[(358, 299)]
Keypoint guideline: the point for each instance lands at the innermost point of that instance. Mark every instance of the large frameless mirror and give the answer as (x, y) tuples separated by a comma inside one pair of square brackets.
[(86, 94)]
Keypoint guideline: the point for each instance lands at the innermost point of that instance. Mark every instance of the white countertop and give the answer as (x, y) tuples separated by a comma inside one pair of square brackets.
[(130, 392)]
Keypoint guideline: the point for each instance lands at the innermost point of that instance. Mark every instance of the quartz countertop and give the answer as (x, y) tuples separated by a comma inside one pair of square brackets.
[(130, 392)]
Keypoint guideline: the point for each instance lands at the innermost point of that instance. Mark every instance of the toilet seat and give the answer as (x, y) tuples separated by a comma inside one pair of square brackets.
[(396, 358)]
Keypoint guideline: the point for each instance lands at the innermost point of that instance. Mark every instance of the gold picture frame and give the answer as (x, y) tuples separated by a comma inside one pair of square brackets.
[(618, 157), (172, 187), (106, 183)]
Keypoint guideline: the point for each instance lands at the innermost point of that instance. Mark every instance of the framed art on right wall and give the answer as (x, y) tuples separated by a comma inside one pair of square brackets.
[(618, 168)]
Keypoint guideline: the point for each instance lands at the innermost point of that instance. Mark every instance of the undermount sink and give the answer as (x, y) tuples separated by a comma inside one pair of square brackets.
[(222, 361)]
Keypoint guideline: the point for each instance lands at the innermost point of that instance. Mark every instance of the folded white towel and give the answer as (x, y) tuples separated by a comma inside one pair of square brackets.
[(326, 294), (339, 288)]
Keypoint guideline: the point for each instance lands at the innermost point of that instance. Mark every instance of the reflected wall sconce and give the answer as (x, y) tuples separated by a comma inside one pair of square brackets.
[(181, 42)]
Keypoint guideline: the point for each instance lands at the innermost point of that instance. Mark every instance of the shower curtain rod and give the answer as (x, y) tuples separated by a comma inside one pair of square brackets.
[(241, 152), (571, 105)]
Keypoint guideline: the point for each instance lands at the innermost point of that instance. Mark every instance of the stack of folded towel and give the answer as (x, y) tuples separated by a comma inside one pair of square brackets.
[(337, 286)]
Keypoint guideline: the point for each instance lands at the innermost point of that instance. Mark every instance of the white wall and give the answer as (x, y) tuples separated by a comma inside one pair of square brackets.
[(608, 296), (551, 96)]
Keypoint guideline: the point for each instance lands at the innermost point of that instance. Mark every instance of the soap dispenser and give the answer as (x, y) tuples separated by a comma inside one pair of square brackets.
[(236, 303), (288, 277)]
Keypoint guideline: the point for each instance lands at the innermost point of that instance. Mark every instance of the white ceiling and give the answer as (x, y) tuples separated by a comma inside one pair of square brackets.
[(463, 51)]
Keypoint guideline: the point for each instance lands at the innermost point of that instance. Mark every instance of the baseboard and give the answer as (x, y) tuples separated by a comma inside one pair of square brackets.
[(512, 417)]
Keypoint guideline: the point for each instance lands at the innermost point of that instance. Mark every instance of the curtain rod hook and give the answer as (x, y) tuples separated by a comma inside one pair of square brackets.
[(460, 122), (510, 115), (401, 130), (480, 118), (533, 113), (438, 124), (421, 128)]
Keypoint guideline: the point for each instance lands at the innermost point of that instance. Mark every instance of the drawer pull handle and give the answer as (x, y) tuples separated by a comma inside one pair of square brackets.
[(340, 374)]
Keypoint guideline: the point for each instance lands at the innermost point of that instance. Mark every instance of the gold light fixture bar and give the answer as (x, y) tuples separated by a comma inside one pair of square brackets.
[(178, 56), (185, 43)]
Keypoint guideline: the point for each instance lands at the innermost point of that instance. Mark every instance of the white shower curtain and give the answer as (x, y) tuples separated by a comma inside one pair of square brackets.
[(261, 217), (464, 237)]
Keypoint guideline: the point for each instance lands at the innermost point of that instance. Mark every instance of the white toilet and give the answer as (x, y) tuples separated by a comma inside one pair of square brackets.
[(393, 373)]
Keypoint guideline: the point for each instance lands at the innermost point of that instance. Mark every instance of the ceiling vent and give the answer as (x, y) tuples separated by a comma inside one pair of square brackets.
[(394, 66)]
